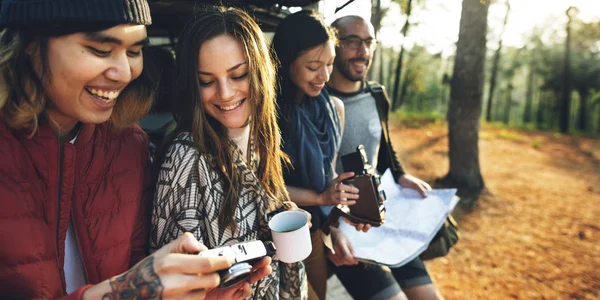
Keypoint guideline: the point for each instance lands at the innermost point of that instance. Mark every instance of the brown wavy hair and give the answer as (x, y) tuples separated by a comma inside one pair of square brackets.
[(209, 135), (22, 97)]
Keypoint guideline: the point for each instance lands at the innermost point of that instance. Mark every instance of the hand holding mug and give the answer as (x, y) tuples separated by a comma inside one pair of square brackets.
[(291, 236)]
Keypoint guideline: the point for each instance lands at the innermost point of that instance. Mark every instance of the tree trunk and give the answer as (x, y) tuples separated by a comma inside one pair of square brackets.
[(598, 118), (375, 70), (409, 77), (539, 119), (398, 74), (498, 114), (507, 104), (582, 121), (529, 96), (488, 115), (565, 99), (465, 97)]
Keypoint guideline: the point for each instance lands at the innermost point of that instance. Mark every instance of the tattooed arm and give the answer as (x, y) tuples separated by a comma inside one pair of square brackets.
[(168, 273)]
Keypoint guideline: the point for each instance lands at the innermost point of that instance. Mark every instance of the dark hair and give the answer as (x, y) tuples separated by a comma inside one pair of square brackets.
[(296, 34), (22, 96), (210, 136)]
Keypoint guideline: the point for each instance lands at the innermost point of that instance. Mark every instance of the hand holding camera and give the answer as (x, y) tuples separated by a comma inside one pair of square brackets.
[(370, 208), (339, 193), (244, 256)]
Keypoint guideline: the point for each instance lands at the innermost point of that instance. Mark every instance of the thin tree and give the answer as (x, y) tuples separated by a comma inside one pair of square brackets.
[(508, 103), (465, 98), (529, 94), (496, 62), (565, 99), (376, 70), (398, 73)]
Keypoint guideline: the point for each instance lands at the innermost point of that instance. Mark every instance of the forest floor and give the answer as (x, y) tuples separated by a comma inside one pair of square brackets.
[(534, 233)]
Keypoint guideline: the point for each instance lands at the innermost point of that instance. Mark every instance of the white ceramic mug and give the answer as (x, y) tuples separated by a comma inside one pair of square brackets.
[(291, 236)]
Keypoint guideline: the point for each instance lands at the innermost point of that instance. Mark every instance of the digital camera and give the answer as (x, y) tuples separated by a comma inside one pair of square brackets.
[(369, 207), (246, 254)]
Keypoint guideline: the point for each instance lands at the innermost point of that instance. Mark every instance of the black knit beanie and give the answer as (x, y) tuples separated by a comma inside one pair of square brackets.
[(35, 13)]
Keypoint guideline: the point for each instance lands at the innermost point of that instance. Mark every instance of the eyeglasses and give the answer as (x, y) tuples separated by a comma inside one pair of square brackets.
[(354, 43)]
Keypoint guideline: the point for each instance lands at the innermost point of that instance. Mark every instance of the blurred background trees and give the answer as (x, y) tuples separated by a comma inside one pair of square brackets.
[(551, 82)]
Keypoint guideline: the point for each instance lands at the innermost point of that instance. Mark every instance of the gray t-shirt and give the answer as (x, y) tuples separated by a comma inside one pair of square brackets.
[(362, 126)]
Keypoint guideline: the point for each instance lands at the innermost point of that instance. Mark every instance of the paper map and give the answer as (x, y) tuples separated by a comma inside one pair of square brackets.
[(411, 222)]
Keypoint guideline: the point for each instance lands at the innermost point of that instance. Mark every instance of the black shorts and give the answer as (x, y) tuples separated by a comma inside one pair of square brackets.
[(369, 281)]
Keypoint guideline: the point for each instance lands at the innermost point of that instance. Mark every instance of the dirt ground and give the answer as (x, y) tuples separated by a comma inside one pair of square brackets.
[(534, 232)]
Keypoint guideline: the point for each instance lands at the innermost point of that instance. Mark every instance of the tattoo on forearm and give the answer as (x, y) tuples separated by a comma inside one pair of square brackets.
[(141, 282)]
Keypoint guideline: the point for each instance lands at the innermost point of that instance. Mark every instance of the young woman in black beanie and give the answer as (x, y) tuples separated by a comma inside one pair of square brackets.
[(74, 167)]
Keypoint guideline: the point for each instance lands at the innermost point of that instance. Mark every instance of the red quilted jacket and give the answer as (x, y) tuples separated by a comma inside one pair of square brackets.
[(99, 181)]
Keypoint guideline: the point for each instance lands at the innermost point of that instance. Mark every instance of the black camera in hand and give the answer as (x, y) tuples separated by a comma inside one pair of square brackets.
[(245, 254), (369, 207)]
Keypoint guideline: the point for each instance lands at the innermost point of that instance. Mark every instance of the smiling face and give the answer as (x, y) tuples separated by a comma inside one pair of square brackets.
[(86, 72), (352, 63), (223, 78), (311, 70)]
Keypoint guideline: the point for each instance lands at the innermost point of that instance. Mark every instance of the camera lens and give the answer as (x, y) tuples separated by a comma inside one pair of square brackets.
[(235, 274)]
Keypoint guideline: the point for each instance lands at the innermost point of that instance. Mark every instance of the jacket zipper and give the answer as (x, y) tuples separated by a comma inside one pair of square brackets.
[(60, 165)]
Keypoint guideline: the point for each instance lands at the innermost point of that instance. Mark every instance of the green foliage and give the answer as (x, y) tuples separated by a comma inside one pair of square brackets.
[(416, 119), (427, 76), (511, 135)]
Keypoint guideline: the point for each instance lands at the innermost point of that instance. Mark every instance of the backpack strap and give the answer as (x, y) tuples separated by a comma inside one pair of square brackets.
[(382, 103)]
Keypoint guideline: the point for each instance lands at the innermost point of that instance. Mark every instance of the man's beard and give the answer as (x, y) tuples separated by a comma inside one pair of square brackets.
[(344, 68)]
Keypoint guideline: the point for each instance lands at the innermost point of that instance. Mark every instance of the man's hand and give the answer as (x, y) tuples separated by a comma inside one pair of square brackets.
[(411, 182), (242, 289), (169, 273), (343, 253)]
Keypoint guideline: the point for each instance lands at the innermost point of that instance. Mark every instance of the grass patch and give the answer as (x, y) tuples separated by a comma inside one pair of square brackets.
[(484, 135), (413, 119), (528, 127), (511, 136), (498, 125), (536, 144)]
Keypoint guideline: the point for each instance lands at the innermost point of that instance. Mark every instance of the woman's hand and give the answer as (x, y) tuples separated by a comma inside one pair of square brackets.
[(241, 290), (339, 193), (169, 273)]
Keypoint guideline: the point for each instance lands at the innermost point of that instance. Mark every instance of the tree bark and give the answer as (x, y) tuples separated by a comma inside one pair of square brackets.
[(565, 99), (529, 96), (398, 74), (465, 97), (507, 104), (488, 115), (539, 116), (375, 70), (582, 123)]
